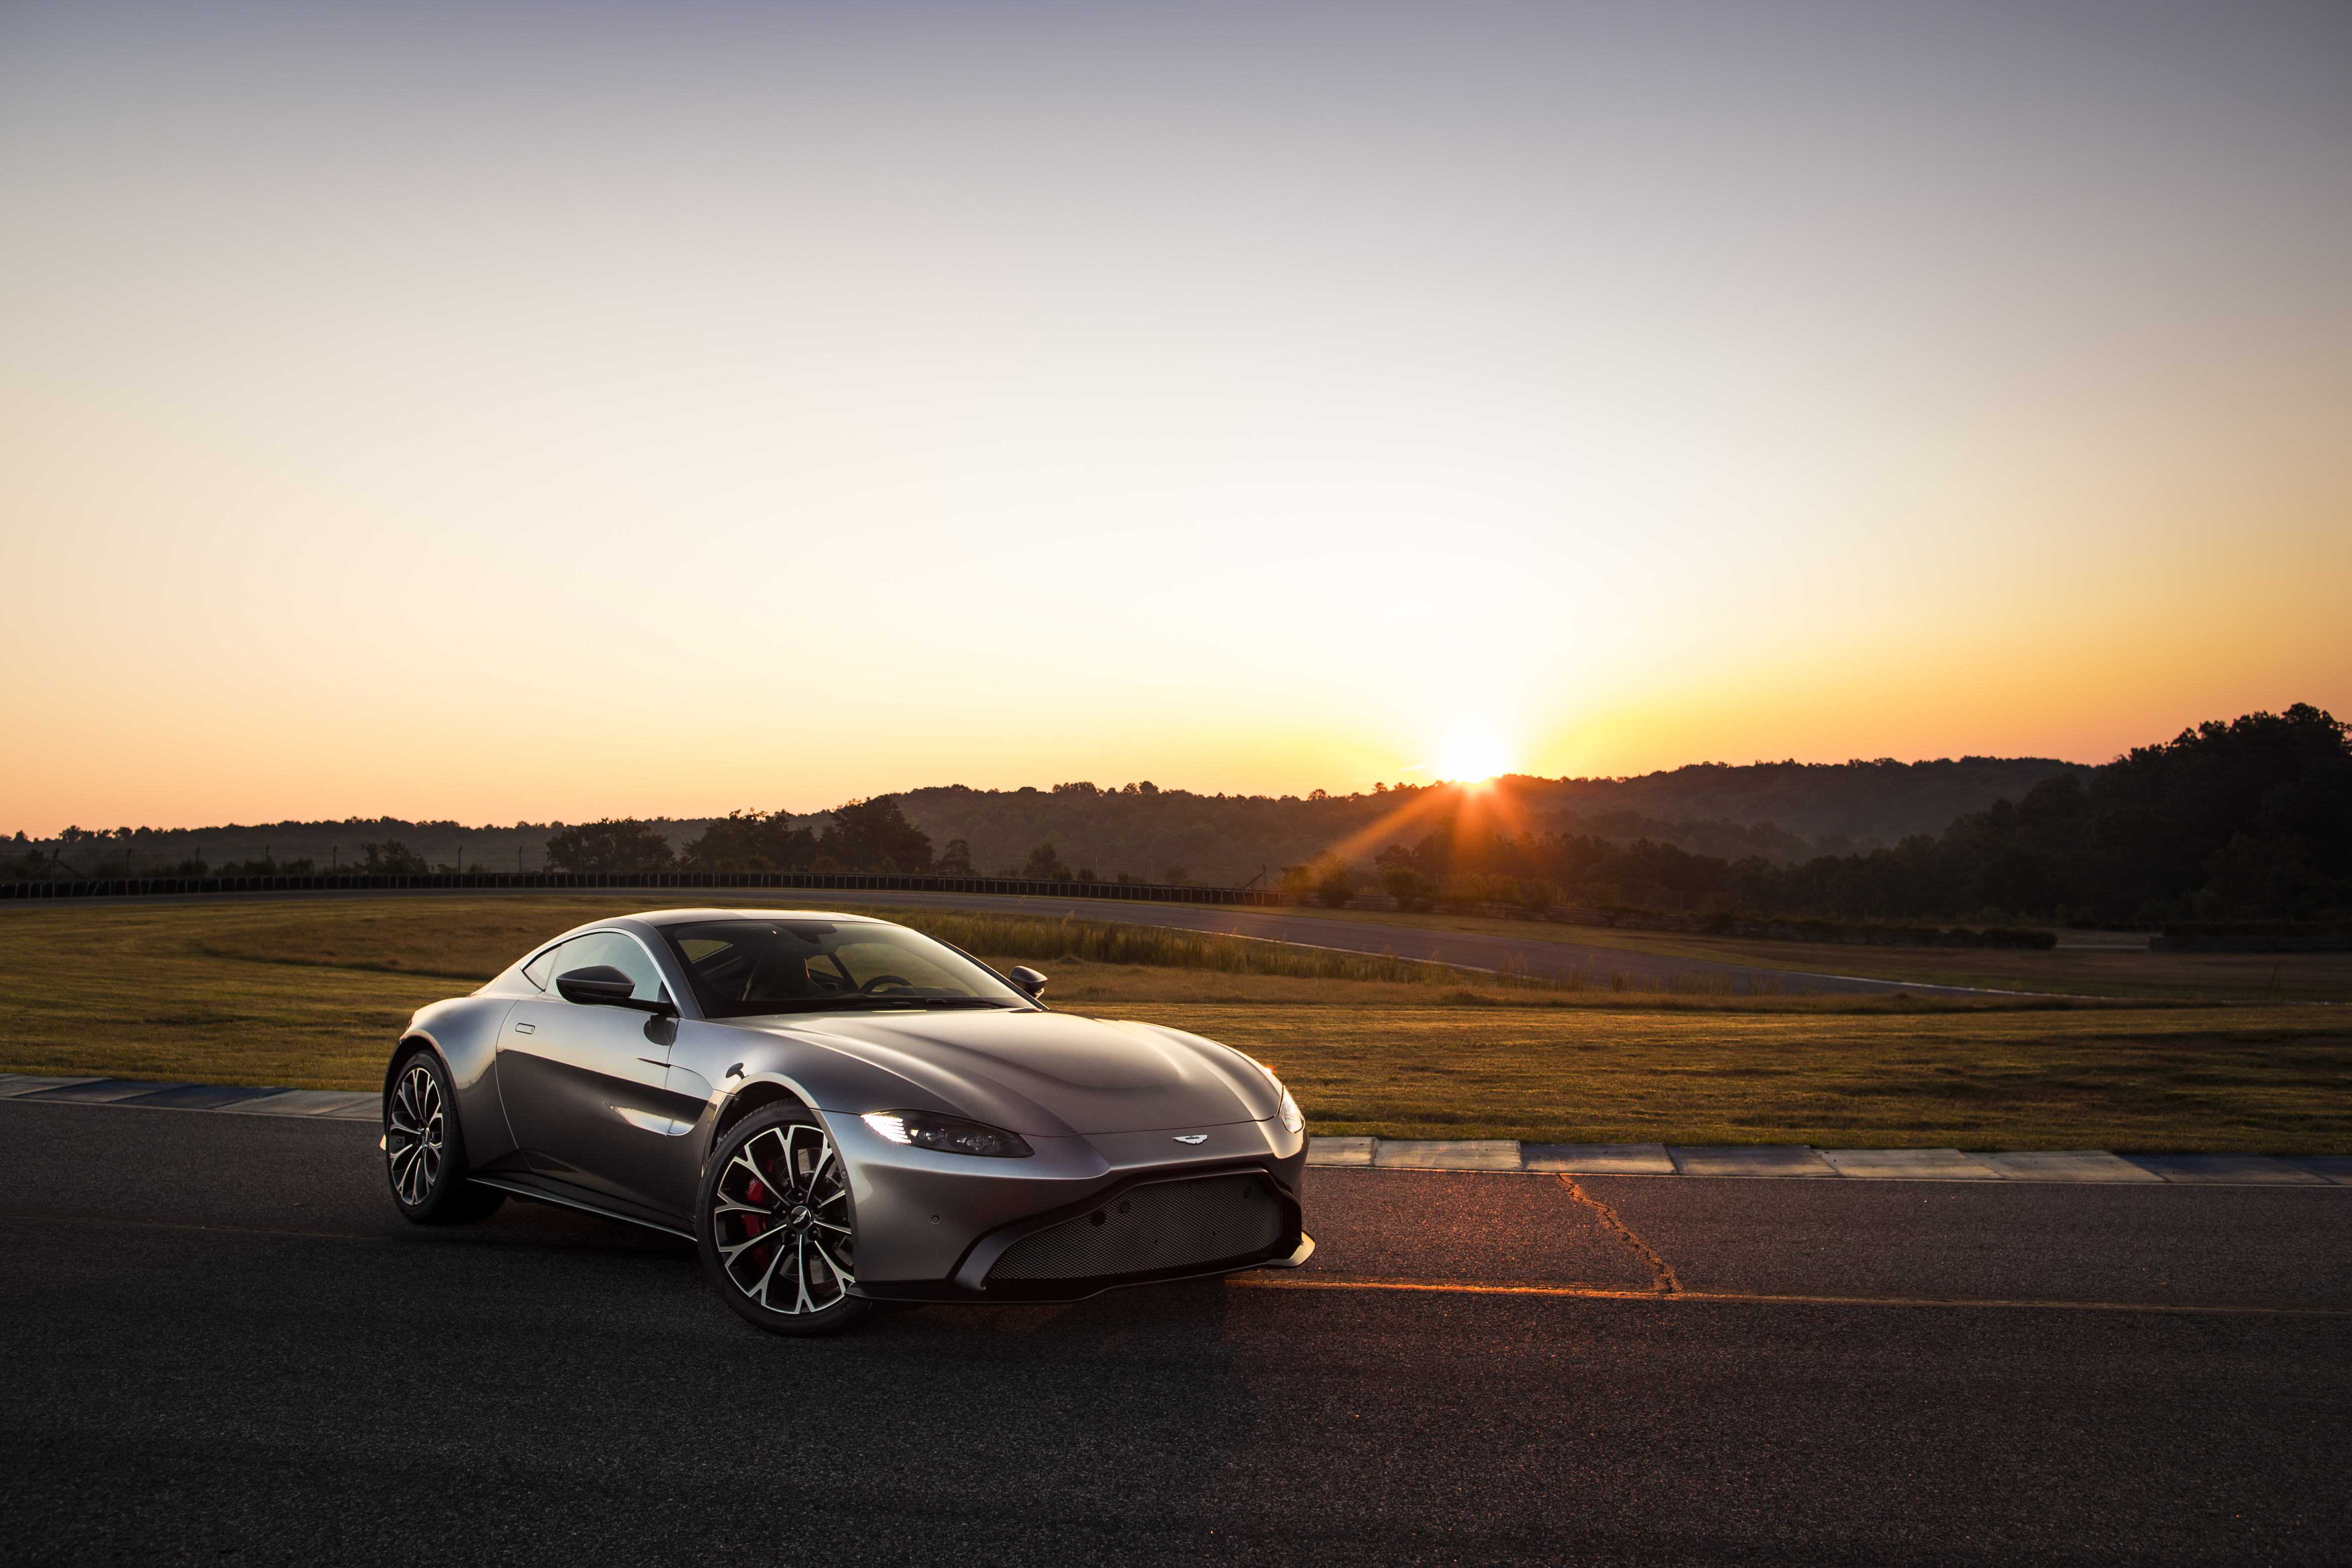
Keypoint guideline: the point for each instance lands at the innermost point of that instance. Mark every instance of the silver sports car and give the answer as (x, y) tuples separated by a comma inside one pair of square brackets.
[(841, 1111)]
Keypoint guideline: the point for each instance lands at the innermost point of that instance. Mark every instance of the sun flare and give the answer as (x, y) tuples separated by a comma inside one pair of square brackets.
[(1472, 760)]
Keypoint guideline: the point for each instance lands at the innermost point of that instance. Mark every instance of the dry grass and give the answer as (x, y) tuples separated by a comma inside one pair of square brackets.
[(2260, 1081), (314, 997), (2133, 973)]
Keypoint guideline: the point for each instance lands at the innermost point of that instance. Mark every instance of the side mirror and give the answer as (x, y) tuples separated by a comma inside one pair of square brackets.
[(1028, 980), (602, 986)]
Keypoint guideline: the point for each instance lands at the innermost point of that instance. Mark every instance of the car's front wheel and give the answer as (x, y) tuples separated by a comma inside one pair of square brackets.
[(424, 1149), (778, 1233)]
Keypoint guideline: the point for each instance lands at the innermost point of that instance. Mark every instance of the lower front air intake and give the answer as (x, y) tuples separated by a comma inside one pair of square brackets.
[(1166, 1224)]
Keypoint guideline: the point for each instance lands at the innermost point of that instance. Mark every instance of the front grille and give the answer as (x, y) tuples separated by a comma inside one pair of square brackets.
[(1167, 1225)]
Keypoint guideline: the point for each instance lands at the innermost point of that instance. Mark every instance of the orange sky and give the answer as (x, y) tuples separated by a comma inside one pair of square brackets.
[(445, 414)]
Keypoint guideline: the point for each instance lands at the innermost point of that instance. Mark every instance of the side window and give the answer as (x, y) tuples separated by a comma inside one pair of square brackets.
[(541, 971), (605, 947)]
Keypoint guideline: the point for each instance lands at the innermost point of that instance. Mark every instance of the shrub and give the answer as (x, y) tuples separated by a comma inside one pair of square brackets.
[(1480, 891), (615, 844), (1409, 888), (874, 835), (393, 858), (750, 839)]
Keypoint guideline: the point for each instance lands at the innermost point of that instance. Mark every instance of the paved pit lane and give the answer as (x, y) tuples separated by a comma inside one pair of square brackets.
[(222, 1345)]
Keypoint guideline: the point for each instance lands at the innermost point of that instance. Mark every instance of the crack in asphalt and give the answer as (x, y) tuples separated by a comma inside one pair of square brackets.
[(1662, 1273)]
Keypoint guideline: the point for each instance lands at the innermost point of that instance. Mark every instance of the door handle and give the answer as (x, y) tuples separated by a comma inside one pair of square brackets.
[(526, 1029)]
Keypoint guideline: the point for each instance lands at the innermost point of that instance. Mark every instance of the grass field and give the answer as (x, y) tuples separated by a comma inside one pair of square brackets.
[(2093, 971), (313, 996)]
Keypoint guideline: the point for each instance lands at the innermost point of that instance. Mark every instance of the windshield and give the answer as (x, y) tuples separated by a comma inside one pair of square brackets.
[(743, 968)]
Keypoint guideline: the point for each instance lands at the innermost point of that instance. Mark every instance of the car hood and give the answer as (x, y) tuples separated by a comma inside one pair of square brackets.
[(1045, 1073)]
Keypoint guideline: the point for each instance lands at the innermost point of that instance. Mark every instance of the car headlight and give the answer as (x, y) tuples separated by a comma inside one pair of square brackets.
[(948, 1134), (1288, 1110)]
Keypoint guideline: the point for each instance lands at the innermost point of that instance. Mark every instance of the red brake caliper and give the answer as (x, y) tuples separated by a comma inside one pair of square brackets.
[(754, 1224)]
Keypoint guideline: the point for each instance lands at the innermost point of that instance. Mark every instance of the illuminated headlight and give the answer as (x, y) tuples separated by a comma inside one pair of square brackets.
[(948, 1134), (1288, 1111)]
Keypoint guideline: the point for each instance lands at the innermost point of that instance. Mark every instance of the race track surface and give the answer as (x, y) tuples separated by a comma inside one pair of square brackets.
[(222, 1344)]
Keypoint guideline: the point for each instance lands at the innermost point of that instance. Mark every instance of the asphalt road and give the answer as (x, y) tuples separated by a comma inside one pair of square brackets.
[(221, 1344), (1467, 950)]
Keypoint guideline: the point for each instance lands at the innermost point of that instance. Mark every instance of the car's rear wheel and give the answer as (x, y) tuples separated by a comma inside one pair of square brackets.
[(424, 1149), (778, 1233)]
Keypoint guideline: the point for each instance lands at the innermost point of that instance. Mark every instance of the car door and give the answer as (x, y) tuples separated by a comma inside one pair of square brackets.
[(585, 1088)]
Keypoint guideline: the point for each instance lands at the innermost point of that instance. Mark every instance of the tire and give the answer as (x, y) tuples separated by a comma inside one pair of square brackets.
[(424, 1149), (778, 1233)]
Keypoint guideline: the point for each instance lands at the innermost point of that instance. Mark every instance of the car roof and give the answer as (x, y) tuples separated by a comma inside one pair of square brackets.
[(682, 917)]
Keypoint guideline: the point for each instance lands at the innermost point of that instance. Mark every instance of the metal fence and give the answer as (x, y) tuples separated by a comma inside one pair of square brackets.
[(577, 881)]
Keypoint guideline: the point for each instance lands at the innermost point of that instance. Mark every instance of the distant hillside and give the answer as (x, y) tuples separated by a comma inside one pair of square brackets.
[(2241, 820), (329, 846), (2247, 819), (1782, 812), (1835, 805)]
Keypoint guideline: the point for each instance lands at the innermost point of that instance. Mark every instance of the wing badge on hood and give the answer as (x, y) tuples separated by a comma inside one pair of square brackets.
[(1191, 1138)]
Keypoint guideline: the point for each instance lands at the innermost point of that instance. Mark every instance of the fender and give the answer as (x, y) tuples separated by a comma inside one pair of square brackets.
[(464, 1033), (818, 1075)]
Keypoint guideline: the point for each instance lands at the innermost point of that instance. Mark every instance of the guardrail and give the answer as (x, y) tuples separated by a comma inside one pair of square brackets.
[(578, 881)]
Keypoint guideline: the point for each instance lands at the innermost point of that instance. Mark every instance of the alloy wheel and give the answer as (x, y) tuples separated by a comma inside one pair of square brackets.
[(416, 1135), (779, 1220)]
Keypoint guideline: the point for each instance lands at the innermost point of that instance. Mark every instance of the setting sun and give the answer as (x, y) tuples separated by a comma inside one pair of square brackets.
[(1473, 760)]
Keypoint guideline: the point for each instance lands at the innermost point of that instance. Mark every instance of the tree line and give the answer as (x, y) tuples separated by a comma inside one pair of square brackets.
[(2249, 818), (1138, 831), (869, 835), (864, 836), (2245, 819), (109, 854)]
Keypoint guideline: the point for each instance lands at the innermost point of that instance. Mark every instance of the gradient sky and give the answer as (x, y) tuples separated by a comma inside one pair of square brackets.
[(490, 412)]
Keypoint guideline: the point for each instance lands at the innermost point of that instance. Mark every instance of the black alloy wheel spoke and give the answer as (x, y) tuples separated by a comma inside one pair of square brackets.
[(798, 1271), (413, 1142)]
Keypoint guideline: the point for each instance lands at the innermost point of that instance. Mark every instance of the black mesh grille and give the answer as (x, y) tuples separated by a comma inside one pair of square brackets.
[(1168, 1224)]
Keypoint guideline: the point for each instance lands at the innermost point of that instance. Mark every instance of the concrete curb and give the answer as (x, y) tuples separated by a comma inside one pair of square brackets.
[(1796, 1160), (333, 1105)]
